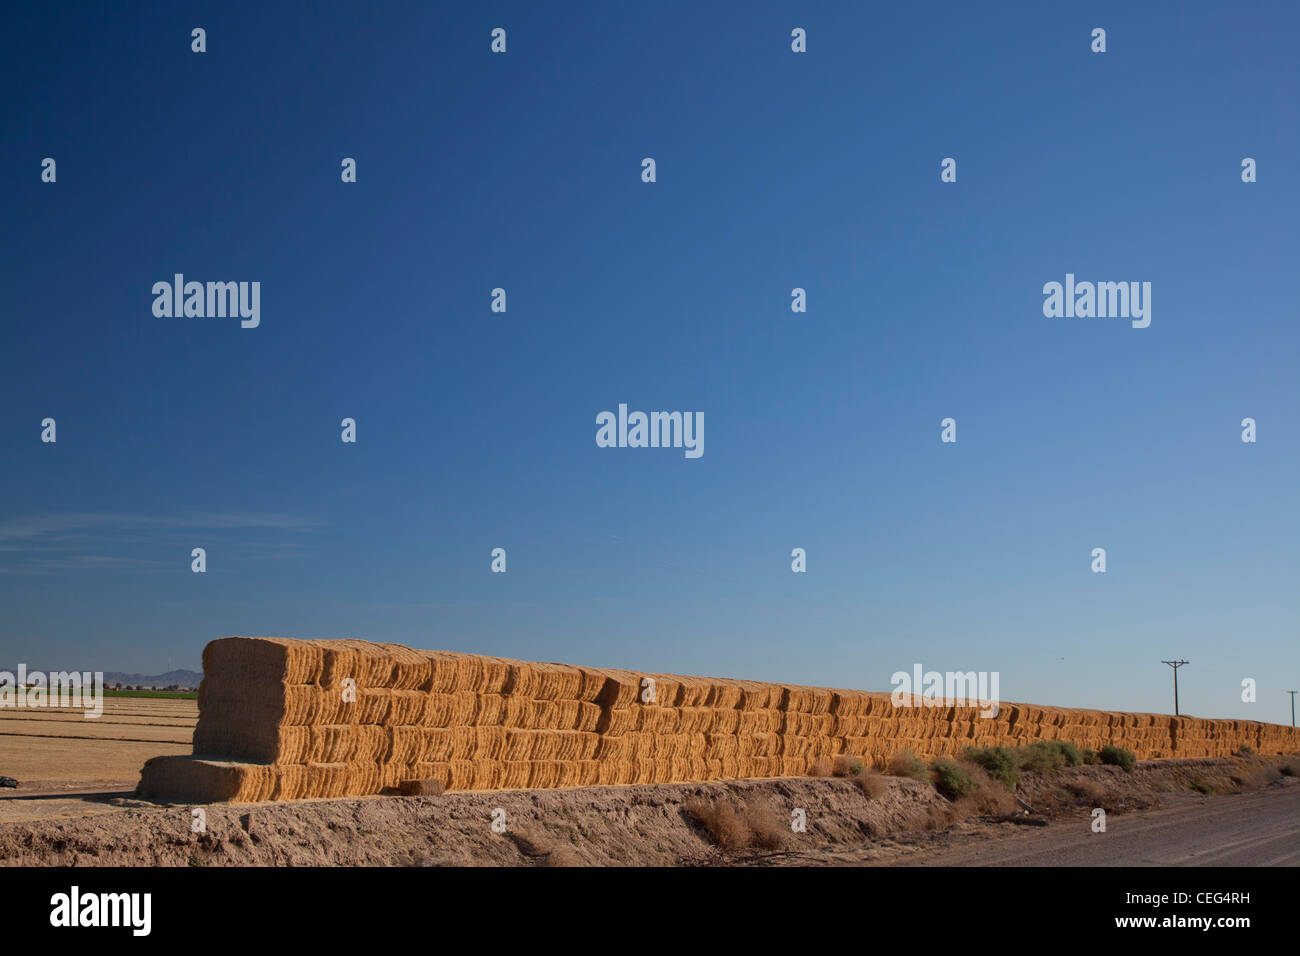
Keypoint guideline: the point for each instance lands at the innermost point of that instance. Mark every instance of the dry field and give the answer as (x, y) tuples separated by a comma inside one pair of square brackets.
[(58, 750)]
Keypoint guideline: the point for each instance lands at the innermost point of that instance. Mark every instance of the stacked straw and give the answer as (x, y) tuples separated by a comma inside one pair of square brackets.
[(284, 719)]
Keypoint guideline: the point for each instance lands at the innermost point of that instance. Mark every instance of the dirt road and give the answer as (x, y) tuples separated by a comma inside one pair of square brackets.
[(1246, 829)]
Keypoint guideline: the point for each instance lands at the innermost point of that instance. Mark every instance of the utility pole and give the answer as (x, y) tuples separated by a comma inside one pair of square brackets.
[(1175, 665), (1292, 693)]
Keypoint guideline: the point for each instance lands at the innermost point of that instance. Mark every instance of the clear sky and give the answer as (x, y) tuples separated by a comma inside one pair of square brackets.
[(775, 170)]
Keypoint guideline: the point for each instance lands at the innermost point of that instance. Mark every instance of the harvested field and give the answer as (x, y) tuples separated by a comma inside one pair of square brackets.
[(53, 749), (283, 719)]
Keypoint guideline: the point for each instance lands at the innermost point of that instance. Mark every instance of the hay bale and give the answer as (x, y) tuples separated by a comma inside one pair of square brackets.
[(450, 710), (406, 745), (556, 682), (251, 661), (187, 779), (332, 743), (411, 671), (423, 787)]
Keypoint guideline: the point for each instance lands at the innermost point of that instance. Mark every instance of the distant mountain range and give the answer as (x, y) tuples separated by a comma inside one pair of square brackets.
[(180, 678)]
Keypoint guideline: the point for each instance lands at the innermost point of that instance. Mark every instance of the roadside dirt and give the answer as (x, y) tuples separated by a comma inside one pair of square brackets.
[(906, 822)]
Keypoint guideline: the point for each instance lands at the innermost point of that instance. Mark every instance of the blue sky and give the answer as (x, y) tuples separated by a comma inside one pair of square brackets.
[(477, 430)]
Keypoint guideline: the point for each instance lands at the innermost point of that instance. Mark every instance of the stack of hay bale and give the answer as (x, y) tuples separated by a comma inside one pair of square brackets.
[(287, 719)]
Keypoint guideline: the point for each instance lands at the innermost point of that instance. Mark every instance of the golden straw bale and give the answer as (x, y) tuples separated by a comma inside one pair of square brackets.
[(405, 745), (372, 742), (290, 782), (569, 714), (725, 721), (490, 743), (519, 745), (411, 669), (666, 690), (691, 720), (490, 710), (308, 704), (332, 743), (373, 704), (262, 660), (850, 703), (492, 675), (438, 744), (546, 773), (471, 676), (489, 774), (692, 691), (185, 779), (374, 665), (755, 695), (556, 682), (450, 710), (656, 720), (364, 778), (850, 726), (722, 745), (251, 742), (515, 774), (614, 773), (339, 662), (540, 714), (576, 745), (643, 770), (520, 679), (327, 779), (591, 685), (391, 775), (435, 770), (587, 718), (546, 745), (615, 723), (407, 707), (795, 766), (461, 775), (444, 672), (621, 689), (613, 749)]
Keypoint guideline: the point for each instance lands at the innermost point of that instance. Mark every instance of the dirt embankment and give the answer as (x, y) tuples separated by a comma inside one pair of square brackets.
[(734, 823)]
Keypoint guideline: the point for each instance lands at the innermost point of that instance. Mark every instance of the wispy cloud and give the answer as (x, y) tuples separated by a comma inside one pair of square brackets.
[(80, 541)]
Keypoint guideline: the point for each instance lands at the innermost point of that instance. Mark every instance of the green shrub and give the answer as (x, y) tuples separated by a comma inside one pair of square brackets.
[(1073, 755), (907, 764), (847, 766), (999, 762), (1118, 757), (1289, 769), (1090, 757), (1044, 755), (950, 779)]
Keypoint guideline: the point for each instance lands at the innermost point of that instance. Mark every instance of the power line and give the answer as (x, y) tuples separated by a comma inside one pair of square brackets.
[(1175, 665)]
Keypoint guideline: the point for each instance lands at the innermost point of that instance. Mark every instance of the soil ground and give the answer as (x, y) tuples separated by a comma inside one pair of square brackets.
[(1164, 811)]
